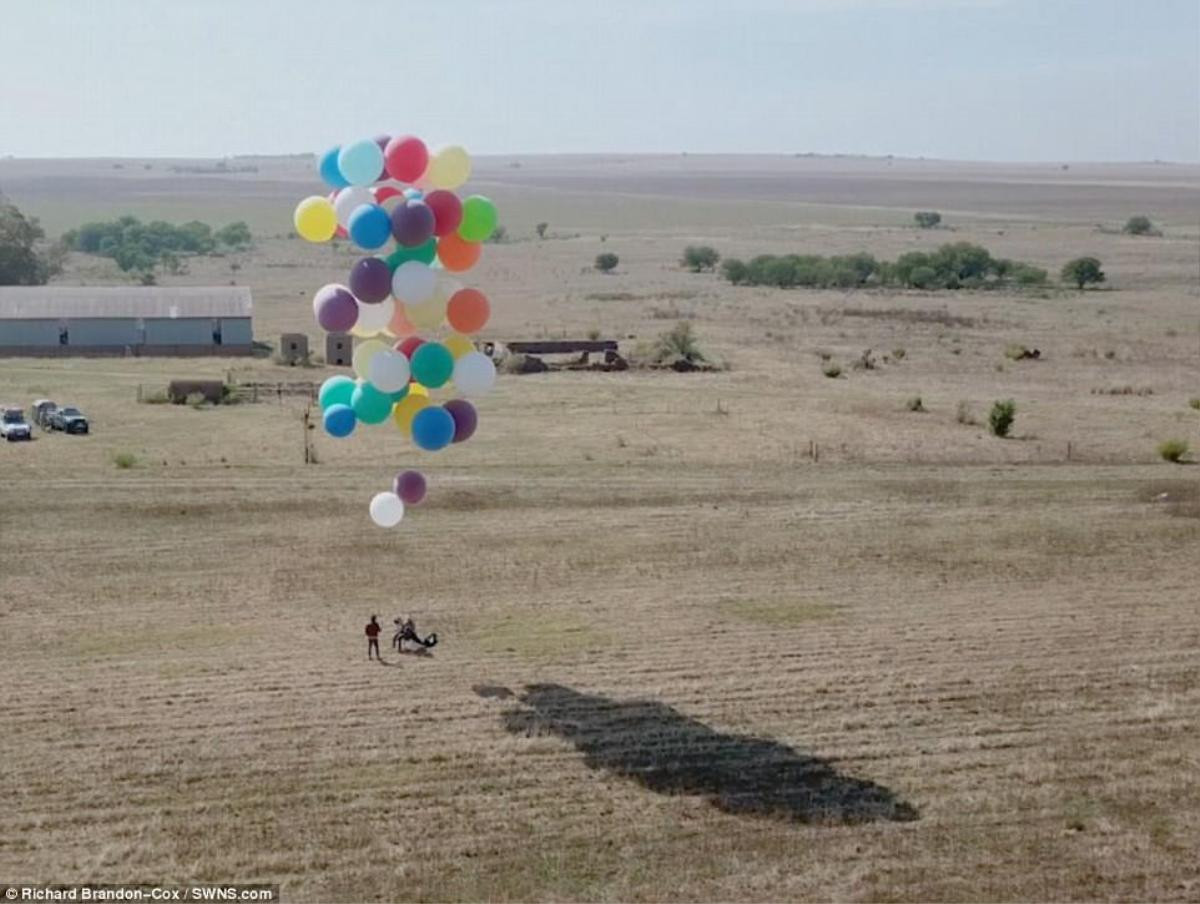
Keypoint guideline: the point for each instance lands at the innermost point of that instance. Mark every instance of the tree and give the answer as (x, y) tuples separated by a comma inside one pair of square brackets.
[(541, 229), (21, 264), (700, 257), (1140, 226), (1083, 270), (235, 235), (927, 219), (607, 262)]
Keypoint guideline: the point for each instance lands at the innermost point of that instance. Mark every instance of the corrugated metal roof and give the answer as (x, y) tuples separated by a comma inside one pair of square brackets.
[(85, 302)]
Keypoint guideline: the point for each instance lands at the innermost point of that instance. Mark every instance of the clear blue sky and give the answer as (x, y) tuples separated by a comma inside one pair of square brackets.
[(969, 79)]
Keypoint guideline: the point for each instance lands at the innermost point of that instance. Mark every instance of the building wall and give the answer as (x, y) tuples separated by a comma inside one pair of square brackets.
[(101, 331), (38, 333), (236, 331), (181, 331)]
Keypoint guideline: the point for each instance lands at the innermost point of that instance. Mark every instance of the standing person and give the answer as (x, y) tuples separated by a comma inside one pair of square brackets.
[(373, 638)]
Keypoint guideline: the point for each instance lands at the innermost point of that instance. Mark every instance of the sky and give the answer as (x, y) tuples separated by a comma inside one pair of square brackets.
[(1017, 80)]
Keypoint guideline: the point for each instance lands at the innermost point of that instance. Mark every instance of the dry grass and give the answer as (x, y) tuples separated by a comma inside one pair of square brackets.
[(678, 658)]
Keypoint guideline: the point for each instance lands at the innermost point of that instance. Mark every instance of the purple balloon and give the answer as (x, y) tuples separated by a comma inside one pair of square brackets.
[(382, 141), (412, 223), (409, 486), (465, 419), (371, 280), (336, 310)]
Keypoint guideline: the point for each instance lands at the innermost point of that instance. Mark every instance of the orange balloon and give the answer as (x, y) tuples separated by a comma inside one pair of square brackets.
[(400, 326), (457, 255), (468, 310)]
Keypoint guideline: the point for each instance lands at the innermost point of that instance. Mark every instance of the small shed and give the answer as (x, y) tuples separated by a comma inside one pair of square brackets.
[(339, 349)]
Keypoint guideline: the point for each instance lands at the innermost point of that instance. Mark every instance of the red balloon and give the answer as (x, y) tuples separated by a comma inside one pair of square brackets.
[(384, 192), (447, 211), (405, 158), (408, 346)]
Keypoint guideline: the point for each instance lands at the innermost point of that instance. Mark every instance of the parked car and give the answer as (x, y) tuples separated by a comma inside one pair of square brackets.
[(40, 412), (69, 420), (13, 426)]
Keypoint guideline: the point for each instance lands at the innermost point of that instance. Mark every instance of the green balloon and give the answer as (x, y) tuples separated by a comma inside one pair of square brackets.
[(335, 391), (478, 219), (370, 405), (400, 393), (423, 253), (432, 365)]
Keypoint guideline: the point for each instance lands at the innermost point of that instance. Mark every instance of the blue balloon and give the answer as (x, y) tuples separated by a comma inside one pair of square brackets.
[(328, 168), (414, 194), (433, 428), (340, 419), (370, 226), (360, 163)]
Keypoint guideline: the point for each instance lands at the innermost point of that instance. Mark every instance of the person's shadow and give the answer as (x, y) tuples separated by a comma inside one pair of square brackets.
[(670, 753)]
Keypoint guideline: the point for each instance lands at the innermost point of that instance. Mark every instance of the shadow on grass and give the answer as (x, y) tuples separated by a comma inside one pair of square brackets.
[(670, 753)]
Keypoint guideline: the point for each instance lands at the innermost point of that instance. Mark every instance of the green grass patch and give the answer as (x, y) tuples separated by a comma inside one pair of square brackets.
[(538, 635), (778, 613)]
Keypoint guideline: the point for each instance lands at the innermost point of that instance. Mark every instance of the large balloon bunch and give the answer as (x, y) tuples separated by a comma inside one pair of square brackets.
[(396, 201)]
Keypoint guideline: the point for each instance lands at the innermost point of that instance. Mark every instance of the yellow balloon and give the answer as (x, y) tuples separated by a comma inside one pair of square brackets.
[(427, 315), (449, 168), (315, 219), (458, 345), (406, 409), (418, 389), (363, 353)]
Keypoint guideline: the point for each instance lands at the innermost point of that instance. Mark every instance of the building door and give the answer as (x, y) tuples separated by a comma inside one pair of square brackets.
[(216, 331)]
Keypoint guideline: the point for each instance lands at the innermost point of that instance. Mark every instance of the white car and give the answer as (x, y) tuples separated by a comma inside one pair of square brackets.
[(13, 426)]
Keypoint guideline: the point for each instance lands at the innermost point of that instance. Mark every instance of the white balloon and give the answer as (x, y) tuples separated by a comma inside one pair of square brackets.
[(413, 282), (386, 509), (474, 374), (349, 200), (373, 318), (388, 370), (364, 353)]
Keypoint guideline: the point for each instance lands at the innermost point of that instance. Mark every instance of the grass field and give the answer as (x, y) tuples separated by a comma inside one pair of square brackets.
[(679, 658)]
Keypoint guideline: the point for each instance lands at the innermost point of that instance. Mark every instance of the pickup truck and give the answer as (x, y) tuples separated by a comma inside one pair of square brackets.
[(69, 420), (13, 426)]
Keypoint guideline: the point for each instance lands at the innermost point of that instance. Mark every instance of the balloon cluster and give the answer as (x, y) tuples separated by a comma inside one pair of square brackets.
[(392, 189)]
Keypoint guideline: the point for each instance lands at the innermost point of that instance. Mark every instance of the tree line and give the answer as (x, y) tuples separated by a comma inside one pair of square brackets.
[(135, 245)]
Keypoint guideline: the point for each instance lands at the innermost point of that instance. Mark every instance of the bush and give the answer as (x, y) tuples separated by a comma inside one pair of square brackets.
[(700, 257), (1027, 275), (831, 370), (915, 404), (1001, 417), (678, 344), (927, 219), (735, 270), (1195, 403), (607, 262), (540, 229), (1140, 226), (1082, 270), (125, 460), (898, 354), (1173, 450)]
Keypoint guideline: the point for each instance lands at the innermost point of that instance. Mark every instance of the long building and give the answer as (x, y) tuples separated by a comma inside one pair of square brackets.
[(116, 320)]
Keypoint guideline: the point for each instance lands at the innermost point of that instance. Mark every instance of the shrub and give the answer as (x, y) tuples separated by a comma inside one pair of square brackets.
[(915, 404), (1195, 403), (1016, 352), (540, 229), (1027, 275), (831, 370), (734, 270), (1082, 270), (1001, 417), (898, 354), (678, 344), (700, 257), (1140, 225), (1173, 450), (499, 236), (923, 278), (927, 219), (607, 262), (125, 460)]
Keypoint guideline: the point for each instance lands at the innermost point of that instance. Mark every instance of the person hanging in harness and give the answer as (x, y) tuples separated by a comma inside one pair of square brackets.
[(407, 630)]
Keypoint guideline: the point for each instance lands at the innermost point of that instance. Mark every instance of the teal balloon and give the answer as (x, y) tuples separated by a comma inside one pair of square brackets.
[(335, 391), (433, 428), (400, 394), (370, 405), (432, 365), (424, 253), (360, 163)]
